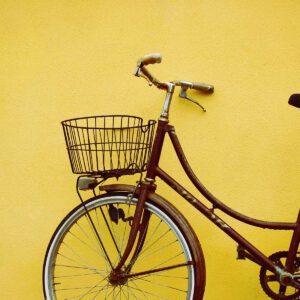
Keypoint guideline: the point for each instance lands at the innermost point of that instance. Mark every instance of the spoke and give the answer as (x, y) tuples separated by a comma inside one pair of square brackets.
[(93, 287), (74, 267), (106, 291), (92, 292), (121, 289), (131, 292), (158, 239), (100, 254), (169, 259), (106, 288), (84, 266), (77, 275), (163, 285), (157, 250), (153, 233), (148, 293), (78, 288), (112, 291), (77, 254), (115, 296), (138, 289), (83, 231), (93, 242)]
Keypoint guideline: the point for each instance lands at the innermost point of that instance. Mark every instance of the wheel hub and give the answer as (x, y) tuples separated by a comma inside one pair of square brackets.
[(117, 278)]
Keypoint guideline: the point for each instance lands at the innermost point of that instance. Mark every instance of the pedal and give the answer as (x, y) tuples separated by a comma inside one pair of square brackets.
[(241, 253)]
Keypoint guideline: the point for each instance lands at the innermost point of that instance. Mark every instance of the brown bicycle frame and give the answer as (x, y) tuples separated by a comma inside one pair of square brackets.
[(141, 219), (153, 171)]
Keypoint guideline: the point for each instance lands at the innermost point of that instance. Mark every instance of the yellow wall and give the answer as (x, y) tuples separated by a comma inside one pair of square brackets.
[(62, 59)]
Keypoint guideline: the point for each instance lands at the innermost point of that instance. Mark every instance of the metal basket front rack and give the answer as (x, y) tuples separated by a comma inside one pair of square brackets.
[(108, 145)]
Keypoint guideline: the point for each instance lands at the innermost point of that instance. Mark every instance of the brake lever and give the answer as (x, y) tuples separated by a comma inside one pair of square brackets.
[(185, 96), (138, 73)]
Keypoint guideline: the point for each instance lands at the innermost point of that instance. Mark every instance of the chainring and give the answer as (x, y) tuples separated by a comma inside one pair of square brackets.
[(270, 281)]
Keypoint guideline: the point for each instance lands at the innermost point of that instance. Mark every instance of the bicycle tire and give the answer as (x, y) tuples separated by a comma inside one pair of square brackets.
[(61, 267)]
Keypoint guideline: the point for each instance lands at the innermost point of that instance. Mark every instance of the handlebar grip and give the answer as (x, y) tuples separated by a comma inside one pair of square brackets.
[(204, 87), (147, 59)]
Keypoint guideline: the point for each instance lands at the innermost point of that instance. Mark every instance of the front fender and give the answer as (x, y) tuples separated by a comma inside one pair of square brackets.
[(131, 188)]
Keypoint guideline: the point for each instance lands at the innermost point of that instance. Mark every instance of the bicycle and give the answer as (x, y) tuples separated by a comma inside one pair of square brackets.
[(127, 242)]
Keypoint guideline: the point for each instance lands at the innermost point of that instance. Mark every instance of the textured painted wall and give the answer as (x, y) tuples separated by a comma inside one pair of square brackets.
[(63, 59)]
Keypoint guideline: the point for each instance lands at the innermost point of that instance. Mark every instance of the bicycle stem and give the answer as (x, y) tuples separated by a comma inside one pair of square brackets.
[(165, 112)]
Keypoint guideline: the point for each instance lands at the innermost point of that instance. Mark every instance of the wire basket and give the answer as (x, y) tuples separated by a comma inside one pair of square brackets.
[(108, 146)]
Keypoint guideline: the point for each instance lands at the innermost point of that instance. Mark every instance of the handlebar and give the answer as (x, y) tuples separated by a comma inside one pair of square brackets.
[(142, 71), (154, 58)]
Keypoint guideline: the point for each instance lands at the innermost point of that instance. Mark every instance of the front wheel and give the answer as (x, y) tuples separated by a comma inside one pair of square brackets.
[(87, 246)]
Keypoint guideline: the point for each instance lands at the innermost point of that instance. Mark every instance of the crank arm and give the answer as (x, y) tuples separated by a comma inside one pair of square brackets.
[(288, 279)]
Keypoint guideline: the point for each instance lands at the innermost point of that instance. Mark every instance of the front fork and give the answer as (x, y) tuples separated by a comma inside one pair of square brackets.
[(141, 218), (139, 224)]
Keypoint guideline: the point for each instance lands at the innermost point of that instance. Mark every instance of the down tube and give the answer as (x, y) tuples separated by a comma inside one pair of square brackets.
[(209, 213)]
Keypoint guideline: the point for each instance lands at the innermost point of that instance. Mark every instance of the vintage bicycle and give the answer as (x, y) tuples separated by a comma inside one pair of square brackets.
[(128, 242)]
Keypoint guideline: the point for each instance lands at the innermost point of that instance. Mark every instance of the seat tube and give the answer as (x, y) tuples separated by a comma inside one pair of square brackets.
[(293, 247)]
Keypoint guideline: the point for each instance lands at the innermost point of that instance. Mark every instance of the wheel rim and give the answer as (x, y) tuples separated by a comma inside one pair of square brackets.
[(62, 259)]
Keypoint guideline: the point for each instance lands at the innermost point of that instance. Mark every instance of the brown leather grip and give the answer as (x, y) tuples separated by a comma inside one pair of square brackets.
[(204, 87), (147, 59)]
